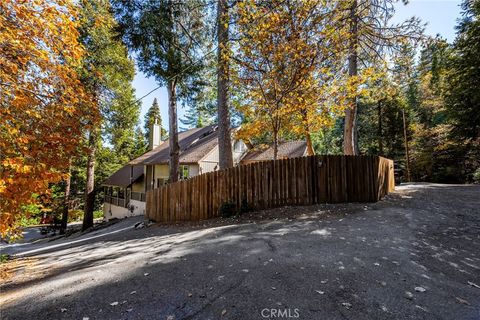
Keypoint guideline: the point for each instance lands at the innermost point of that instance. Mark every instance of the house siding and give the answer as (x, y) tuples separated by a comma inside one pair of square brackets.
[(138, 186), (207, 166), (211, 160), (238, 154)]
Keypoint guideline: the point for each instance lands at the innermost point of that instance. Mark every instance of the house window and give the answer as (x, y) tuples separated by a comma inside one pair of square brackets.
[(184, 172), (239, 146)]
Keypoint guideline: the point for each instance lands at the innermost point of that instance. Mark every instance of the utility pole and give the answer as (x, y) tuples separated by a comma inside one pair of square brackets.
[(407, 157)]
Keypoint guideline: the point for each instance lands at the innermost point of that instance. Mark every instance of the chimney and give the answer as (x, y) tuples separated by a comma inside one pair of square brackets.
[(155, 138)]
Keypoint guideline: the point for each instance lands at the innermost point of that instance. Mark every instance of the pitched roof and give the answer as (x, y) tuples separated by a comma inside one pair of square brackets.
[(121, 177), (194, 145), (289, 149)]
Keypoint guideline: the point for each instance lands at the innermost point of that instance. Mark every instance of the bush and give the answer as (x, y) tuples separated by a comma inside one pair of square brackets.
[(476, 176), (75, 215), (245, 207), (97, 214), (227, 209), (4, 258)]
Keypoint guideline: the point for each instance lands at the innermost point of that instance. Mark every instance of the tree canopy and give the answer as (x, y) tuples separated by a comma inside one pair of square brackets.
[(44, 105)]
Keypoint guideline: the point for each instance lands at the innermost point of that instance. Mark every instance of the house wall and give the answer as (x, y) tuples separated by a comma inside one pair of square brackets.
[(239, 149), (193, 170), (139, 186), (211, 160), (161, 171), (207, 166), (111, 211), (138, 207)]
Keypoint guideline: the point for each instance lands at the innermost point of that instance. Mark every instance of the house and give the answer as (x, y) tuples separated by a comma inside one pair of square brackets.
[(124, 193), (125, 190), (285, 150)]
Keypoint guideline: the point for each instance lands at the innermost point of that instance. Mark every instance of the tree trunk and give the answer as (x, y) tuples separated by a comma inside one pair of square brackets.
[(310, 150), (275, 144), (350, 145), (308, 135), (380, 128), (224, 140), (66, 202), (407, 155), (173, 131), (90, 184)]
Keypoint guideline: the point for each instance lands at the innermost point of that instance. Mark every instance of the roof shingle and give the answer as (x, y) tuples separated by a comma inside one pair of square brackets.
[(121, 177), (289, 149), (194, 145)]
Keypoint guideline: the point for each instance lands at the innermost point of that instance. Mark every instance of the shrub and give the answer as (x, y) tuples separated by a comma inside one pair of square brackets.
[(244, 207), (227, 209), (476, 176), (4, 257), (75, 215), (97, 214)]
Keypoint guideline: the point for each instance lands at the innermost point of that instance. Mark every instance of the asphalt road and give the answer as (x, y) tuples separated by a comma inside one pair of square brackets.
[(415, 255)]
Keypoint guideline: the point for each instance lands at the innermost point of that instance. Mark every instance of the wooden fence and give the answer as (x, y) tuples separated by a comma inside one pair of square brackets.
[(268, 184)]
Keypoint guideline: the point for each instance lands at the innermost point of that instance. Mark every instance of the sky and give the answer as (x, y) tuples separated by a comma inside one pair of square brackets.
[(440, 16)]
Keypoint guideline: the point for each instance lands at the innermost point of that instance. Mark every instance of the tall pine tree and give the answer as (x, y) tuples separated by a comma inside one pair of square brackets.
[(153, 114), (167, 36), (107, 73), (463, 96)]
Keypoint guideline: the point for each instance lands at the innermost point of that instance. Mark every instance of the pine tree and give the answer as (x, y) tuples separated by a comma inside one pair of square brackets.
[(462, 94), (463, 98), (153, 114), (167, 36), (223, 86), (107, 73), (370, 33)]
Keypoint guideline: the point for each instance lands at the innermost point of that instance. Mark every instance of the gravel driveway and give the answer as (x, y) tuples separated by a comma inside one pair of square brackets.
[(415, 255)]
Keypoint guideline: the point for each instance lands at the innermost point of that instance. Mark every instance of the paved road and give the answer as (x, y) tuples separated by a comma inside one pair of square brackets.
[(415, 255)]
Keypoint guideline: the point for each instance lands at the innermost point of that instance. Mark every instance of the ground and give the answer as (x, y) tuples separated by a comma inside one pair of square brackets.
[(414, 255)]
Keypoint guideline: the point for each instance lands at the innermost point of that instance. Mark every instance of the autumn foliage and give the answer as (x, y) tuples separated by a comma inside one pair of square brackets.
[(43, 105), (286, 63)]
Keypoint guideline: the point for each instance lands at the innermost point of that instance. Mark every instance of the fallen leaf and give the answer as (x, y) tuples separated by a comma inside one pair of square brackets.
[(421, 308), (408, 295), (460, 300)]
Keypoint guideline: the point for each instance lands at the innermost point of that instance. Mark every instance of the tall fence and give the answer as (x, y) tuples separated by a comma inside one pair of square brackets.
[(269, 184)]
